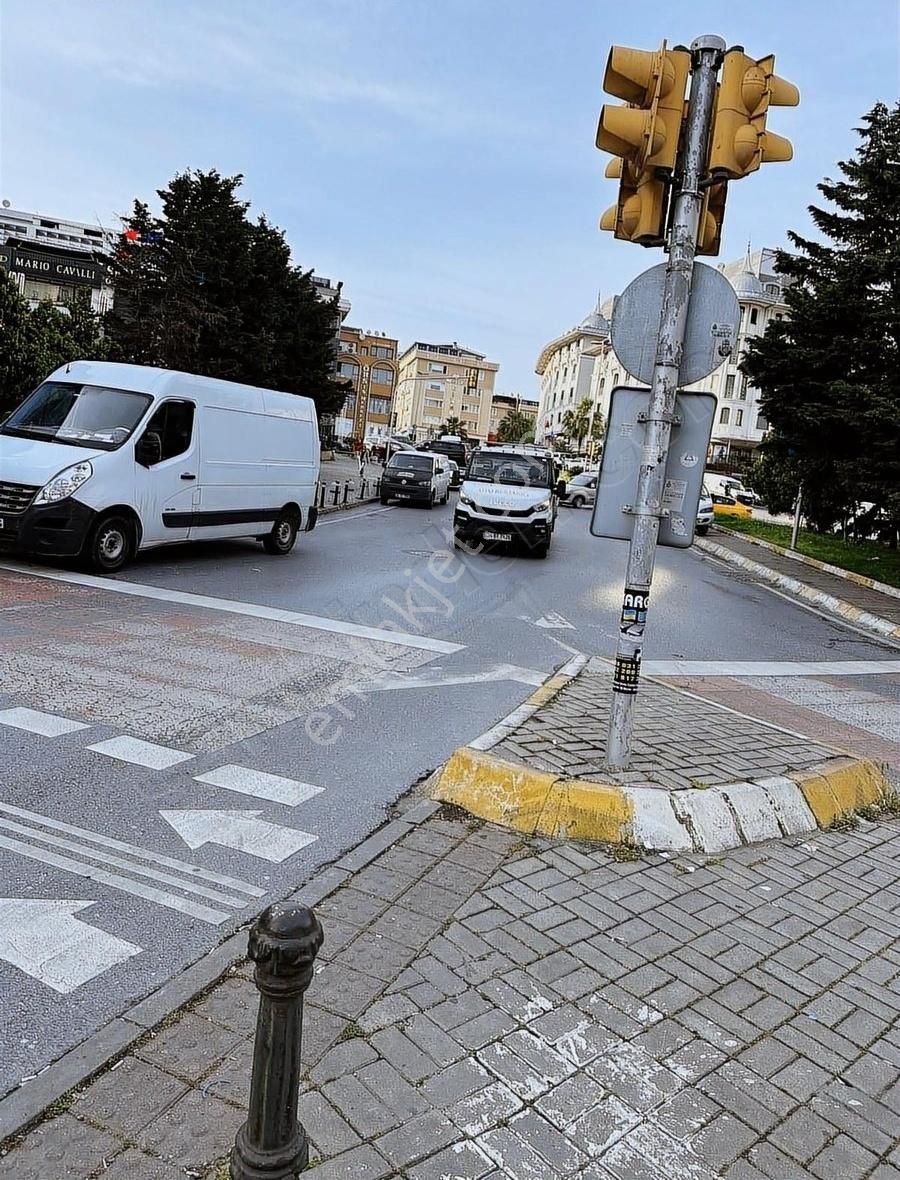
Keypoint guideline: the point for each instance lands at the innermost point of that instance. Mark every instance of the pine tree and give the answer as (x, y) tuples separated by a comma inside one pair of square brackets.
[(829, 372)]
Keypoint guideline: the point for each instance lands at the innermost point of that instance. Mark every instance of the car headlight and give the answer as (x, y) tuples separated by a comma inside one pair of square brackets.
[(467, 500), (64, 484), (544, 506)]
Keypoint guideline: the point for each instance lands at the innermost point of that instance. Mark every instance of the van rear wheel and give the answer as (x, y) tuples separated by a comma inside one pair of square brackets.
[(111, 544), (283, 536)]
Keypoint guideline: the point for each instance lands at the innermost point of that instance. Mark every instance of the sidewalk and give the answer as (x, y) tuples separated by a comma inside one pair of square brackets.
[(490, 1007), (847, 595), (341, 469)]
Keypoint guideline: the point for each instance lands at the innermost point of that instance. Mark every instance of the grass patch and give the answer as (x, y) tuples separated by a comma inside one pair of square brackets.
[(625, 852), (865, 557)]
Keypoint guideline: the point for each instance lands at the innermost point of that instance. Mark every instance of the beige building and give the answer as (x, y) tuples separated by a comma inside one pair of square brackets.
[(441, 381), (503, 403), (369, 361), (566, 367)]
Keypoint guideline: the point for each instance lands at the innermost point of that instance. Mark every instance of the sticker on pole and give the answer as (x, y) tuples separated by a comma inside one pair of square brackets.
[(627, 675)]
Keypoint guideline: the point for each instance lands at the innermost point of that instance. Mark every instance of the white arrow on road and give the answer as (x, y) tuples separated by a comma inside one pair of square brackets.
[(42, 937), (553, 620), (242, 830)]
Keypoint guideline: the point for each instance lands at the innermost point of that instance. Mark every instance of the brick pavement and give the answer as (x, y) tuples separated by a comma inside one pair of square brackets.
[(490, 1007)]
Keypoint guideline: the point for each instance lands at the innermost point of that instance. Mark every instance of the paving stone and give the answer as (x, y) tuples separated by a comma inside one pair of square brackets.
[(685, 1113), (461, 1161), (601, 1124), (802, 1134), (843, 1159), (193, 1132), (352, 905), (529, 1147), (344, 991), (137, 1165), (489, 1026), (456, 1082), (329, 1133), (63, 1148), (634, 1076), (234, 1003), (647, 1153), (389, 1010), (451, 1013), (485, 1108), (367, 1113), (723, 1140), (417, 1138), (128, 1097), (568, 1101), (374, 955), (347, 1057), (189, 1048), (320, 1031), (801, 1079), (432, 1040), (362, 1163)]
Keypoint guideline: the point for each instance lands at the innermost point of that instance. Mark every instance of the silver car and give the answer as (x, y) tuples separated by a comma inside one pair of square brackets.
[(704, 513), (581, 490)]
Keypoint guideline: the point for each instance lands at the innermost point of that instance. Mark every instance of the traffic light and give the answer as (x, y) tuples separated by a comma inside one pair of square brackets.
[(644, 135), (712, 214), (740, 141)]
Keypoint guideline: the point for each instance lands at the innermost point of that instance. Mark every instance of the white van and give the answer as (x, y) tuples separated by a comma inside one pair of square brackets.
[(511, 494), (105, 459)]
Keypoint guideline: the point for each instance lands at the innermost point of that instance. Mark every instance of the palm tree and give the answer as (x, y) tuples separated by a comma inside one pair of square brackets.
[(576, 423), (455, 426), (514, 427)]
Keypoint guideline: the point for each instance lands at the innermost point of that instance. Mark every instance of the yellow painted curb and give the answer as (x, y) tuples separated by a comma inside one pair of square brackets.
[(840, 786)]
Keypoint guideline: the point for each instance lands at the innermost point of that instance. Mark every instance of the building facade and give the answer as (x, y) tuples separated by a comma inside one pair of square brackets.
[(441, 381), (566, 367), (503, 403), (55, 260), (369, 361), (739, 425)]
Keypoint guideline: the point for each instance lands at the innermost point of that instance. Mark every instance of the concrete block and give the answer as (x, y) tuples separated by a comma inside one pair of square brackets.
[(790, 806), (755, 811), (709, 818), (655, 825)]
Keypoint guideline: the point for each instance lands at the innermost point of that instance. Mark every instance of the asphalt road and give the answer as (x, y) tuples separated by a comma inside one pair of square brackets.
[(346, 671)]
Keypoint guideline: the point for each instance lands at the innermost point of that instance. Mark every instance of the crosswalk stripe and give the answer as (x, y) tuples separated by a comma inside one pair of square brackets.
[(44, 724), (120, 863), (770, 667), (260, 784), (170, 862), (136, 888), (140, 753)]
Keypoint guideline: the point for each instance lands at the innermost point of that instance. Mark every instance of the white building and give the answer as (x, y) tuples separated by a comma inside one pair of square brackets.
[(565, 367), (739, 424), (53, 258)]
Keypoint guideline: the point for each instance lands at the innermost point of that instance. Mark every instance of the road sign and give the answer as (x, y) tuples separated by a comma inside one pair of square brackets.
[(623, 455), (713, 318)]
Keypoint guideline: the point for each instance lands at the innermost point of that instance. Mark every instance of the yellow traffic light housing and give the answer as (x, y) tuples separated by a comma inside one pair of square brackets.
[(639, 215), (712, 215), (740, 141)]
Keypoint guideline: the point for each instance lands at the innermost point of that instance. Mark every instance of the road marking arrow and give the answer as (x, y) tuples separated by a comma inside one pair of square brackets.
[(552, 619), (42, 937), (241, 830)]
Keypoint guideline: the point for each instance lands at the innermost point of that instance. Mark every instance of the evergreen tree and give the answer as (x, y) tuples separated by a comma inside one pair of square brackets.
[(514, 427), (829, 372), (204, 289)]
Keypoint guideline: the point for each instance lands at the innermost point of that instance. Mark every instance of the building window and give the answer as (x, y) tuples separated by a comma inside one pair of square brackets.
[(739, 417), (349, 405), (729, 385), (743, 393), (348, 369), (773, 288), (435, 367), (762, 422), (778, 315), (348, 346), (434, 402), (437, 386), (724, 416), (383, 352), (754, 315), (382, 375), (468, 408), (379, 405)]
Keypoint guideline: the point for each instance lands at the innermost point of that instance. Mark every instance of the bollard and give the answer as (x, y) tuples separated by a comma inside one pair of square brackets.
[(321, 495), (346, 491), (362, 489), (272, 1144), (335, 492)]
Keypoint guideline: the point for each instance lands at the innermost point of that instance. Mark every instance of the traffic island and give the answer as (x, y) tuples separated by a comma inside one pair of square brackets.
[(703, 777)]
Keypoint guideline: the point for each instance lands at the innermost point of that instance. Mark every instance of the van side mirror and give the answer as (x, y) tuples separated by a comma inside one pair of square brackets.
[(561, 488), (149, 449)]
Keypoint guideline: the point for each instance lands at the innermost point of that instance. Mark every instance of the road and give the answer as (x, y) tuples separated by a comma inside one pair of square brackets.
[(199, 734)]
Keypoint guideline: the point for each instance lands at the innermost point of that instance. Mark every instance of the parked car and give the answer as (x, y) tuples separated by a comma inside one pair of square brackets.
[(417, 477), (732, 486), (728, 506), (705, 513), (581, 490), (105, 459)]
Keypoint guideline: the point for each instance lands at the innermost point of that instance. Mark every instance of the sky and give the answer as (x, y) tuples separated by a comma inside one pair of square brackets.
[(437, 156)]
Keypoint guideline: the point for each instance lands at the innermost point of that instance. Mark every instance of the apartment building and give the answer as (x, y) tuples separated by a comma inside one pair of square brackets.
[(503, 404), (369, 361), (566, 366), (441, 381), (54, 259)]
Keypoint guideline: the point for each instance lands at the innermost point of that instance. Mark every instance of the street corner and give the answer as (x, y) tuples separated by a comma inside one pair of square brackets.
[(846, 786)]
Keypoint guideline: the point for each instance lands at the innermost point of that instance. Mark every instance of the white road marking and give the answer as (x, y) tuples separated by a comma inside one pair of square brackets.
[(259, 784), (57, 949), (241, 830), (770, 668), (253, 610), (155, 858), (45, 724), (552, 620), (140, 753), (323, 524), (388, 681)]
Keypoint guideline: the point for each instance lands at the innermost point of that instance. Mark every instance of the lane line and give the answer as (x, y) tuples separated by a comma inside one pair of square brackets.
[(259, 784), (45, 724), (120, 862), (323, 524), (773, 668), (95, 873), (251, 609), (132, 849), (140, 753)]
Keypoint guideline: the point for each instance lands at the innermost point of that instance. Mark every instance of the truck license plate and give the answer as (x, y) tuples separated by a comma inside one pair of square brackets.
[(498, 536)]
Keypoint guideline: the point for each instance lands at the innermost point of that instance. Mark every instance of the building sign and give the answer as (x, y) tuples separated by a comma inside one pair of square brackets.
[(52, 268)]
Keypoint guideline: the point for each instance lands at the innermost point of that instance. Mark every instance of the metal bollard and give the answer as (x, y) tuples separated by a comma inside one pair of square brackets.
[(346, 491), (272, 1144), (321, 495), (362, 489), (335, 492)]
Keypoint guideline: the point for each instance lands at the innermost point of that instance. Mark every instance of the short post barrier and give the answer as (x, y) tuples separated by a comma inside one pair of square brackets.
[(346, 491), (272, 1144), (335, 492), (321, 495)]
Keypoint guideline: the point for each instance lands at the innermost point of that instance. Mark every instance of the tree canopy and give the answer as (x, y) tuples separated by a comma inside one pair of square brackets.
[(828, 372), (514, 427), (205, 289)]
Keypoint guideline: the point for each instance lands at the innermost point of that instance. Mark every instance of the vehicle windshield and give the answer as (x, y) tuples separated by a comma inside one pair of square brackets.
[(581, 480), (411, 462), (78, 415), (530, 470)]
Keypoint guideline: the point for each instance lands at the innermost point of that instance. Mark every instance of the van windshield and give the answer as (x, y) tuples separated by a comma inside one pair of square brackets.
[(78, 415), (531, 470), (412, 462)]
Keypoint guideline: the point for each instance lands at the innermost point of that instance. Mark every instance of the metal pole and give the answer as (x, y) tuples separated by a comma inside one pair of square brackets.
[(706, 57), (272, 1144), (795, 528)]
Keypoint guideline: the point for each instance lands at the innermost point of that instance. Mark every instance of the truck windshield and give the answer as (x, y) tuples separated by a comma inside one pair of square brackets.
[(531, 470), (78, 415)]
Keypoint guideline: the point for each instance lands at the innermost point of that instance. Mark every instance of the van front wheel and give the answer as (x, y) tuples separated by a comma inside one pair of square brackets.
[(283, 536), (111, 544)]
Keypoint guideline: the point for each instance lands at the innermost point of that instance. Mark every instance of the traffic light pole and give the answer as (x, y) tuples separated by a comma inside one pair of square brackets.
[(706, 57)]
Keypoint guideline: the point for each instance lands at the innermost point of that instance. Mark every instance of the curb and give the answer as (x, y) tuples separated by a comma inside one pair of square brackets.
[(828, 602), (711, 820), (24, 1106), (826, 567)]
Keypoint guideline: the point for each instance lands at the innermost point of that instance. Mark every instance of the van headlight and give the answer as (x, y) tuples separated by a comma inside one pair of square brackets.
[(467, 500), (65, 484), (544, 506)]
